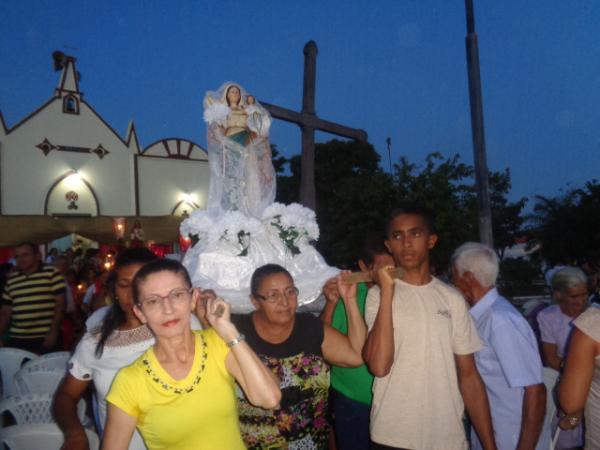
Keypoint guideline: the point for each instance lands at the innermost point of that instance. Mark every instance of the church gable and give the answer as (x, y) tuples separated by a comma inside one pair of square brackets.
[(64, 159), (67, 121)]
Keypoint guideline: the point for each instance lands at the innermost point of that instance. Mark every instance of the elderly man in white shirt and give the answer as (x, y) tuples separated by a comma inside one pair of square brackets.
[(509, 363)]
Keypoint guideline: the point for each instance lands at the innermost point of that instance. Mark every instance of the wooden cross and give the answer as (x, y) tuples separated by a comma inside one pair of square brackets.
[(308, 121)]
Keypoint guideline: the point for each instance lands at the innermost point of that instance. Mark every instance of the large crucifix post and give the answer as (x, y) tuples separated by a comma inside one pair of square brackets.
[(307, 161), (309, 122)]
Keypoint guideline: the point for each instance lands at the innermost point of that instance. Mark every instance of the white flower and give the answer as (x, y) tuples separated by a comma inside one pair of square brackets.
[(234, 228), (216, 112), (295, 225), (200, 222), (301, 218), (275, 209)]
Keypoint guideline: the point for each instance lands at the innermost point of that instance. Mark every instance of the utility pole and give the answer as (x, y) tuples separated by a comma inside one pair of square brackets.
[(481, 170), (388, 141)]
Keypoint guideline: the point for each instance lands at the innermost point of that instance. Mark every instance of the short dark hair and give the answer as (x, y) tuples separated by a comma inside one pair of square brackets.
[(160, 265), (32, 245), (135, 255), (128, 257), (412, 209), (263, 272), (374, 245)]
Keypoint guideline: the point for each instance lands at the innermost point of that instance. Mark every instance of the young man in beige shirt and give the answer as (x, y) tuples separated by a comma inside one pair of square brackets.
[(420, 349)]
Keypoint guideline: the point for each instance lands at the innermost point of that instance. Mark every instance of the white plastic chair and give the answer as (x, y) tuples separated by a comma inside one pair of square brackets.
[(39, 381), (39, 437), (55, 360), (550, 378), (11, 361), (31, 409)]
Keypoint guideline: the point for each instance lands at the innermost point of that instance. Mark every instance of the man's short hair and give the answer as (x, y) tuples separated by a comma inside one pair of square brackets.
[(374, 245), (412, 209), (479, 259), (32, 245)]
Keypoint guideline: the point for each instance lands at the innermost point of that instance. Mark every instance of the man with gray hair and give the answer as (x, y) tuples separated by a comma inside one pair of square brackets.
[(509, 362)]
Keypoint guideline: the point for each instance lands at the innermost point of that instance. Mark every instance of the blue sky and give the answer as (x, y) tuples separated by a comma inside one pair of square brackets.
[(392, 67)]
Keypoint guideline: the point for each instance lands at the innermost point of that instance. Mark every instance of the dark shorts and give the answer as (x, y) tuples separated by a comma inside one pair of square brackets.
[(32, 345)]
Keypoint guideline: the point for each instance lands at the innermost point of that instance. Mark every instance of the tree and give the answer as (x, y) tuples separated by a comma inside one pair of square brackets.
[(446, 187), (439, 186), (568, 225), (355, 196), (278, 160), (507, 217)]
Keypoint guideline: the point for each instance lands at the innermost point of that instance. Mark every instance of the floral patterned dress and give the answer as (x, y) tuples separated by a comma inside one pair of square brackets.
[(301, 421)]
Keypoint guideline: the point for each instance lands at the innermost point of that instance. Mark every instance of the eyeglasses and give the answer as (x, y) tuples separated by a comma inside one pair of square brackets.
[(290, 293), (176, 297)]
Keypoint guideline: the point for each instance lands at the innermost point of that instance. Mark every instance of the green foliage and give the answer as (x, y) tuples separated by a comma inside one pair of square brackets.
[(441, 186), (507, 220), (355, 195), (446, 187), (521, 277), (568, 226), (279, 161)]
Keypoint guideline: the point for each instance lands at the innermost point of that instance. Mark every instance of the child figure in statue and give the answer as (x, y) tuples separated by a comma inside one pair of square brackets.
[(242, 174)]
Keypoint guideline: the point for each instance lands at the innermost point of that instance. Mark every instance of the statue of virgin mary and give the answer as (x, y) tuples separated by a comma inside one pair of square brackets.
[(242, 228), (242, 177)]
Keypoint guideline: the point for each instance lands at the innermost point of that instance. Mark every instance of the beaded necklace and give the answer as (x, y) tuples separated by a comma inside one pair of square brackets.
[(179, 390)]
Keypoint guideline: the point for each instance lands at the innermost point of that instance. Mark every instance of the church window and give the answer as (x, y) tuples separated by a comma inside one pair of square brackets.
[(70, 105)]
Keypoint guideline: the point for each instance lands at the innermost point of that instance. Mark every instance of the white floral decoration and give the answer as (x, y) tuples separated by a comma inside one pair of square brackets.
[(232, 230), (299, 216), (198, 224), (216, 112), (235, 229), (295, 225)]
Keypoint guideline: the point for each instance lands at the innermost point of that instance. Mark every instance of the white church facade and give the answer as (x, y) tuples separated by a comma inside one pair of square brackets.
[(64, 169)]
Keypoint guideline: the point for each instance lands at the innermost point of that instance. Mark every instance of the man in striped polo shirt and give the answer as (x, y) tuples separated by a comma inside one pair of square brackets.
[(32, 303)]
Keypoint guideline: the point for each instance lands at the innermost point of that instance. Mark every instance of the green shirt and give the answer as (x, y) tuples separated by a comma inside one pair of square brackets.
[(354, 383)]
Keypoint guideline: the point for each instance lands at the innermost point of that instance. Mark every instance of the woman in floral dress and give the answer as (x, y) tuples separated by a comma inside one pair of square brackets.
[(297, 348)]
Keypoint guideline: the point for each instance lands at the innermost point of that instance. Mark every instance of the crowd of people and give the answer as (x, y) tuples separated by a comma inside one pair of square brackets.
[(75, 284), (398, 360)]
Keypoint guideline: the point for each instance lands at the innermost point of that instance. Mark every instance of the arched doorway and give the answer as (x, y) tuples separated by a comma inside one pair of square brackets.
[(71, 195)]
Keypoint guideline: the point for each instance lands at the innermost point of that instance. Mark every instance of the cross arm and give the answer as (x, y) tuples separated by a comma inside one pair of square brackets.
[(313, 121)]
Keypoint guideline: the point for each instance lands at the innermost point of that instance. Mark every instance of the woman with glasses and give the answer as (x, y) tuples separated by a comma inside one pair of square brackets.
[(180, 394), (297, 348)]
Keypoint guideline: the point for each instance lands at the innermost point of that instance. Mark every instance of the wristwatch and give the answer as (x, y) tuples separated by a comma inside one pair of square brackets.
[(236, 340)]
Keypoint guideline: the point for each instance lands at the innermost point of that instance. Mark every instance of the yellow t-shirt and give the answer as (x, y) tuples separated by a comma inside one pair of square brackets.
[(197, 412)]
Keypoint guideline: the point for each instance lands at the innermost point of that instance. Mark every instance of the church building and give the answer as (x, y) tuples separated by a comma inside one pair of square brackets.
[(64, 169)]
